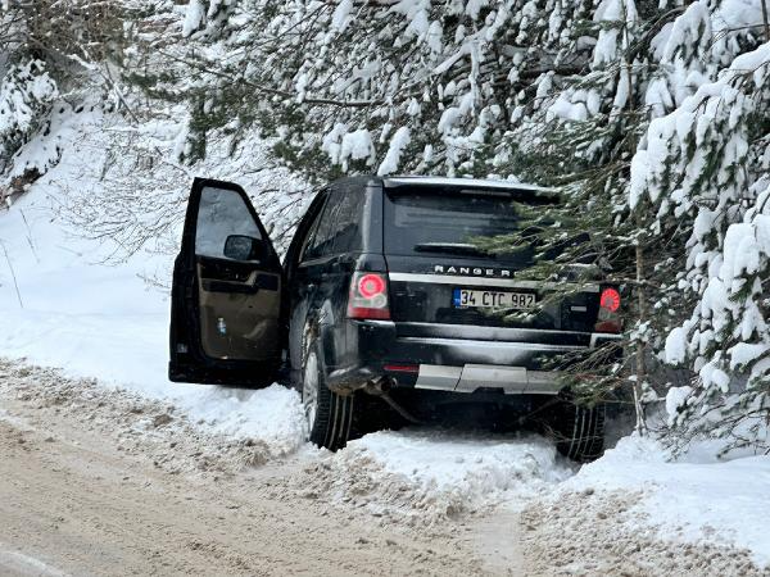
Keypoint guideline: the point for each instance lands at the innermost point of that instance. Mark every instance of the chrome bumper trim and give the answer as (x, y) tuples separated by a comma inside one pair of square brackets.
[(470, 378), (472, 343), (461, 280), (438, 378)]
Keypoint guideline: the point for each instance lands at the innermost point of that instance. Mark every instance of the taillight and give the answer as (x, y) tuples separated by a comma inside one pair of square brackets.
[(368, 296), (609, 320)]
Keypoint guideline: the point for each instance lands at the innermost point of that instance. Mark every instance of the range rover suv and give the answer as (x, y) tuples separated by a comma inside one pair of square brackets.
[(385, 306)]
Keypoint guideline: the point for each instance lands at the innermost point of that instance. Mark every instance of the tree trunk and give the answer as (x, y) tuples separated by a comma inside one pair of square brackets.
[(641, 349)]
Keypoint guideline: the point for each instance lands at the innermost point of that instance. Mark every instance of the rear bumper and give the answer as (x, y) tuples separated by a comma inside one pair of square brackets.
[(513, 361), (469, 378)]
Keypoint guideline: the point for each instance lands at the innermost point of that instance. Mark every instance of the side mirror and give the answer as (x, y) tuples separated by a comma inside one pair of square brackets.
[(243, 248)]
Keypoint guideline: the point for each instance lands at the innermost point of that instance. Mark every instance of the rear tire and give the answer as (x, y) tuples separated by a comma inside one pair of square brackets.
[(329, 415), (579, 431)]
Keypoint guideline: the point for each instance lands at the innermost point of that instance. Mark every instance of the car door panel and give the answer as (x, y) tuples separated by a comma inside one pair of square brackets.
[(226, 306), (239, 320)]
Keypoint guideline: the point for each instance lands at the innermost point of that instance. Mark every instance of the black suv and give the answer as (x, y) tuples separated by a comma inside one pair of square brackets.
[(385, 304)]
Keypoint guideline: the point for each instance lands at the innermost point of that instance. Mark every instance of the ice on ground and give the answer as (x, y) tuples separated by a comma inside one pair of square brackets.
[(426, 476), (697, 499)]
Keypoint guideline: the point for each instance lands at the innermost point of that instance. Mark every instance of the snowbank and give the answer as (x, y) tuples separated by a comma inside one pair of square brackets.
[(427, 476), (696, 499), (61, 306)]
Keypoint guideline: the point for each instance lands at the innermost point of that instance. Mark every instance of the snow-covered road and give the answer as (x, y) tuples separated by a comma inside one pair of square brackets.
[(95, 480), (101, 483)]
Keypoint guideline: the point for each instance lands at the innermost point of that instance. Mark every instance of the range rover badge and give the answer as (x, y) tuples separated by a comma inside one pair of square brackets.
[(472, 271)]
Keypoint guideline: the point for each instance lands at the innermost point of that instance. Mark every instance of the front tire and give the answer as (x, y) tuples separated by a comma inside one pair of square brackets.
[(329, 416)]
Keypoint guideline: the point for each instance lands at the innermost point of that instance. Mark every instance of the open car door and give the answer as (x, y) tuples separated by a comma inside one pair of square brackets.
[(226, 296)]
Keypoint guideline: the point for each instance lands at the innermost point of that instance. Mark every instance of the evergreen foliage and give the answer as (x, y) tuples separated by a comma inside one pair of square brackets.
[(642, 112), (47, 48), (650, 116)]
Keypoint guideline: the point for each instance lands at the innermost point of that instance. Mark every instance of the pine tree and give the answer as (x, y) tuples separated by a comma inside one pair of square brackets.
[(636, 110), (47, 48), (409, 86), (706, 163)]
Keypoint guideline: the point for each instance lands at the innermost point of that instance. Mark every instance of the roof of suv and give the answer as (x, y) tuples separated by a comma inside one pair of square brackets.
[(397, 181)]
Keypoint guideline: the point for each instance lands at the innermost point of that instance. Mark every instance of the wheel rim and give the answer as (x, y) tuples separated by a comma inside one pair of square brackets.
[(310, 390)]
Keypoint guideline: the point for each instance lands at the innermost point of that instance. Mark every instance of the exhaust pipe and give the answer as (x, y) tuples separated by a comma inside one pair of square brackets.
[(380, 388)]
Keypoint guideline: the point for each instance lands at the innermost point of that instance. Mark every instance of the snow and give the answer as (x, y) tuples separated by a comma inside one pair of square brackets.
[(469, 182), (676, 346), (340, 18), (569, 107), (343, 146), (473, 7), (675, 399), (733, 14), (448, 119), (194, 15), (616, 13), (25, 91), (415, 13), (700, 501), (481, 467), (398, 143), (426, 476), (96, 320), (435, 36), (357, 145), (744, 353)]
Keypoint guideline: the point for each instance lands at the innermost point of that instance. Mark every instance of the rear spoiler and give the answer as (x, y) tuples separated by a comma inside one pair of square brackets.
[(472, 186)]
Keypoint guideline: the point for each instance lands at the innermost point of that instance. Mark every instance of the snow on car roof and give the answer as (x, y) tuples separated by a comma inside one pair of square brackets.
[(397, 181)]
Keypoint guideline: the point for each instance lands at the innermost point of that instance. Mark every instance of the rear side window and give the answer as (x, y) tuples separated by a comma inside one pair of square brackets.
[(440, 221), (339, 227), (348, 222)]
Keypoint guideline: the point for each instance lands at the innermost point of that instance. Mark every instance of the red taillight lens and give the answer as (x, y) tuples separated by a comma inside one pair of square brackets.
[(608, 320), (368, 296), (610, 300), (371, 285)]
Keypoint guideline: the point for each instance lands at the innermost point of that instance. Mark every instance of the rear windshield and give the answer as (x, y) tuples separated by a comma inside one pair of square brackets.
[(443, 221)]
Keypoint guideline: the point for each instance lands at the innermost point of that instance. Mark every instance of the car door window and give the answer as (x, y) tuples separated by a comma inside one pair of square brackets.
[(347, 230), (339, 228), (321, 240), (222, 213), (311, 229)]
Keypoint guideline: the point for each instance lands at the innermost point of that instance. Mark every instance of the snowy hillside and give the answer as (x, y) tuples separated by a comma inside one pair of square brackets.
[(86, 306)]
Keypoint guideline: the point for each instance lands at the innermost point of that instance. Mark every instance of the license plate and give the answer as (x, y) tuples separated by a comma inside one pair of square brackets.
[(467, 298)]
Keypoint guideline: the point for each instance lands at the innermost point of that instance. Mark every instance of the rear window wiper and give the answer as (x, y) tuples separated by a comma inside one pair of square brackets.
[(459, 248)]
